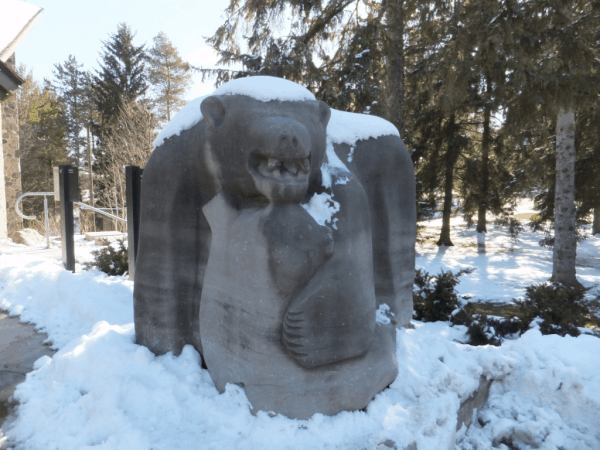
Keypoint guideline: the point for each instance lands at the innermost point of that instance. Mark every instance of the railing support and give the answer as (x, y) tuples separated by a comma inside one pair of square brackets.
[(69, 193), (68, 186), (47, 221), (28, 194)]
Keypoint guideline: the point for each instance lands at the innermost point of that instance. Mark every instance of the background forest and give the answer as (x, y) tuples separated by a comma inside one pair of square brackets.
[(490, 97)]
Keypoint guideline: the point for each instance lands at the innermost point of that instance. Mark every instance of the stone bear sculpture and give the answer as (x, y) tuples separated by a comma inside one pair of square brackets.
[(235, 260)]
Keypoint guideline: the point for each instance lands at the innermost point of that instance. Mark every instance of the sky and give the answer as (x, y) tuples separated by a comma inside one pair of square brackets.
[(76, 27)]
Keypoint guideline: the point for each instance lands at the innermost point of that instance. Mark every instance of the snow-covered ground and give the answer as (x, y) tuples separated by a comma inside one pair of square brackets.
[(103, 391), (502, 266)]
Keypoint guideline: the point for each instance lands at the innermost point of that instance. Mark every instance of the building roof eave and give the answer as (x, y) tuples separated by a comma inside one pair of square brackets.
[(9, 80)]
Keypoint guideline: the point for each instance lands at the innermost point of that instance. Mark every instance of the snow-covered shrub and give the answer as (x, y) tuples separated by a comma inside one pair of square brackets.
[(557, 308), (561, 309), (486, 330), (435, 297), (110, 260)]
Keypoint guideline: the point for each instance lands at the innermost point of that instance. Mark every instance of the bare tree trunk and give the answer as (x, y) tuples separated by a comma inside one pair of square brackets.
[(78, 155), (89, 154), (565, 236), (394, 50), (447, 211), (451, 158), (596, 223), (485, 157)]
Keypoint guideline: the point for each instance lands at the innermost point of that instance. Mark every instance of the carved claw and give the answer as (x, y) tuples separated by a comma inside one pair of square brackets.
[(292, 333), (321, 326)]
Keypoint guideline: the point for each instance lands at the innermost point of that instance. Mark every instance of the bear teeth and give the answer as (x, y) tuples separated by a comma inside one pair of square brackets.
[(277, 168), (305, 165), (272, 164), (291, 166)]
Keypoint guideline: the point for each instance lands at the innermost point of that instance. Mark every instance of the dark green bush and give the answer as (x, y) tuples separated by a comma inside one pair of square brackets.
[(559, 309), (434, 296), (110, 260), (485, 330)]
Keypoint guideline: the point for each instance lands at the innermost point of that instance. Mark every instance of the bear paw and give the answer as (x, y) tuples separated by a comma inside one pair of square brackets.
[(318, 330)]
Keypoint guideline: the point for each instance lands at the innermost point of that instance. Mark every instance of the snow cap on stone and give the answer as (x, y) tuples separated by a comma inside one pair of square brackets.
[(266, 89), (185, 119), (343, 127), (348, 128)]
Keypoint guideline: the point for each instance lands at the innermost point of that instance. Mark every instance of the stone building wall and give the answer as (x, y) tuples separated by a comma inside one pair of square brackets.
[(12, 162)]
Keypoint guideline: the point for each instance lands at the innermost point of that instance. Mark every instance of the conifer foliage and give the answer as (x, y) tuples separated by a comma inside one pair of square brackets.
[(121, 77), (169, 77), (72, 84), (555, 72), (337, 48), (43, 134)]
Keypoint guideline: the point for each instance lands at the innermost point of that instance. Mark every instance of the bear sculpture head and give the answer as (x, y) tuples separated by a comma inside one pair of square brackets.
[(274, 152)]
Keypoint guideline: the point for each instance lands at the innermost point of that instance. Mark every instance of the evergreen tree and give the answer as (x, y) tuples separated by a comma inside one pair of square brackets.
[(488, 178), (70, 81), (43, 131), (130, 143), (587, 167), (169, 77), (555, 59), (443, 86), (91, 119), (347, 52), (121, 77)]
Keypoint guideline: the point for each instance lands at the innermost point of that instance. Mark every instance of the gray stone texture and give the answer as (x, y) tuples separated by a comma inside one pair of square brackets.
[(230, 262), (474, 403), (12, 162)]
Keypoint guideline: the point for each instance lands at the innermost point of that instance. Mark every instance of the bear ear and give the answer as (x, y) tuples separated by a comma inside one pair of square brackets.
[(213, 110), (324, 113)]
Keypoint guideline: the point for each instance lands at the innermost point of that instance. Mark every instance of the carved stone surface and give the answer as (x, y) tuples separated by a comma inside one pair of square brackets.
[(235, 259)]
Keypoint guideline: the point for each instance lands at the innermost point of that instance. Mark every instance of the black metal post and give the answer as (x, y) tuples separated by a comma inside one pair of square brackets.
[(133, 176), (69, 192)]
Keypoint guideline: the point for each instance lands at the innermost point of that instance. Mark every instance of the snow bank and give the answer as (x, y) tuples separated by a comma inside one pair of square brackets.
[(62, 304), (343, 127), (551, 401), (103, 390)]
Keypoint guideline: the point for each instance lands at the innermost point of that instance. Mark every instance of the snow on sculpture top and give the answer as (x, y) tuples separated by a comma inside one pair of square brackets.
[(185, 119), (343, 128), (348, 128), (266, 89)]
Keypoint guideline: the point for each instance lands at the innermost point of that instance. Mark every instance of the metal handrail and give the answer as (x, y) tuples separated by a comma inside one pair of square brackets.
[(46, 194), (99, 211), (29, 194)]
